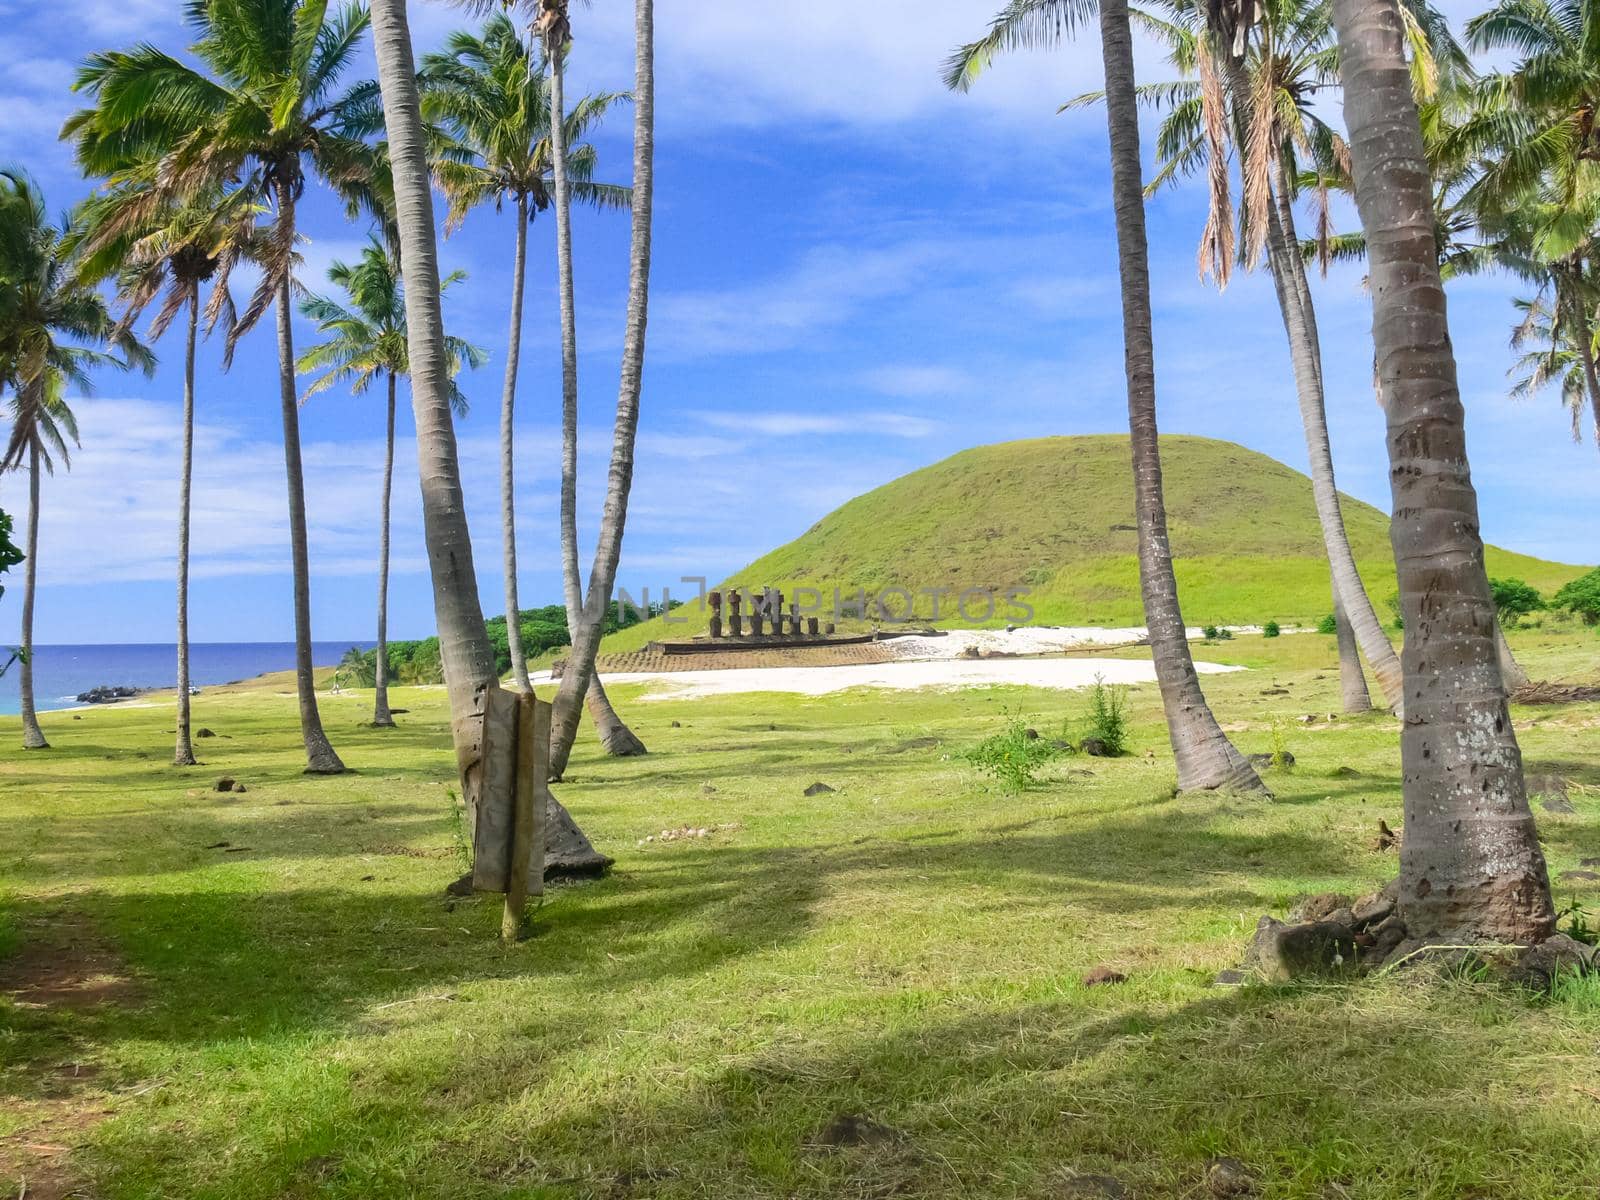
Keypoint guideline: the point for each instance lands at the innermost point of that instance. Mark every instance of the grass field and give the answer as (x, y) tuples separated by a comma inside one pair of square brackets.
[(268, 994)]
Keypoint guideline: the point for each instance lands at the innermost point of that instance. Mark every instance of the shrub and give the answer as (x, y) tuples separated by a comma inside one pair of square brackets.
[(1106, 719), (1514, 599), (1270, 629), (1209, 632), (1012, 756), (1582, 596), (1395, 610), (1328, 624)]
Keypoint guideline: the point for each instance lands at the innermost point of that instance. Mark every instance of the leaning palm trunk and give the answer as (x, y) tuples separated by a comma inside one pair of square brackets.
[(32, 735), (508, 491), (1470, 862), (615, 736), (320, 756), (602, 576), (1205, 757), (1511, 672), (1352, 683), (463, 643), (1305, 353), (183, 749), (381, 716)]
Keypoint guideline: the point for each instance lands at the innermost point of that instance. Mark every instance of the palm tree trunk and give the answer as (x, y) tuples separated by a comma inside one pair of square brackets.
[(1584, 337), (463, 642), (381, 716), (1511, 672), (508, 491), (1352, 683), (32, 735), (320, 756), (1205, 757), (1305, 354), (615, 736), (602, 575), (183, 749), (1470, 862)]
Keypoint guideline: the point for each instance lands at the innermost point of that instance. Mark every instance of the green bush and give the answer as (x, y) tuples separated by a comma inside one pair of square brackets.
[(1013, 756), (1209, 632), (1328, 624), (1107, 718), (1270, 629), (1395, 610), (1514, 599), (1582, 596)]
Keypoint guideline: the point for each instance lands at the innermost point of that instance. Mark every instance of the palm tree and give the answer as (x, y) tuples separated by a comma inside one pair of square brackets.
[(54, 329), (267, 109), (1205, 757), (1470, 863), (158, 250), (469, 663), (367, 341), (494, 101)]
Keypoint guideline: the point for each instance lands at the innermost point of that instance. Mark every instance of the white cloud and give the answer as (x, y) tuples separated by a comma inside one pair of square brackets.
[(790, 424), (916, 379)]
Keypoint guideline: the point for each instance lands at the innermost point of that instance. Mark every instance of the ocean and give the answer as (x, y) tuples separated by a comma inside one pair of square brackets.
[(61, 672)]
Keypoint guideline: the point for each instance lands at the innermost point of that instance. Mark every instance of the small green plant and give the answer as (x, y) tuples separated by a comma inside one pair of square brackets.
[(1393, 604), (1281, 758), (1270, 629), (1209, 632), (1013, 756), (1577, 924), (1106, 719), (1328, 624), (458, 829)]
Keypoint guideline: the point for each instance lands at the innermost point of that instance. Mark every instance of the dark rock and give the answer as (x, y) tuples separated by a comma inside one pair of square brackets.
[(677, 725), (1272, 760), (1229, 1177), (368, 878), (1317, 908), (1580, 876), (1231, 978), (1344, 773), (1094, 748), (1031, 734), (224, 784), (852, 1129), (1371, 909), (1091, 1187), (819, 789), (1275, 691), (203, 732), (76, 717), (708, 788), (1589, 862), (1539, 965), (460, 887), (238, 788), (219, 845), (107, 694), (1556, 804), (1103, 975), (1342, 916), (1284, 952)]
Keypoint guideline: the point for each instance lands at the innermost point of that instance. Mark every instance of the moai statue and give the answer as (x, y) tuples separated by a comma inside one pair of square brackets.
[(811, 626), (828, 629), (755, 617), (716, 613), (735, 621), (796, 627), (775, 609)]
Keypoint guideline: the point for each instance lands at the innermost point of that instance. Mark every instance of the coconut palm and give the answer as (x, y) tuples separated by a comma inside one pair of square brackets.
[(1205, 757), (1470, 862), (469, 663), (265, 110), (54, 330), (493, 100), (367, 341), (158, 250)]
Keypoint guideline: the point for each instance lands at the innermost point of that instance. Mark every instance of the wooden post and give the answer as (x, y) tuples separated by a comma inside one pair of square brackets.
[(527, 828)]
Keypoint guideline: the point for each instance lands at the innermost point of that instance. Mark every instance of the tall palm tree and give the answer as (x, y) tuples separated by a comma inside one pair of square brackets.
[(54, 330), (266, 109), (494, 102), (469, 663), (1205, 757), (1470, 862), (367, 341), (159, 250)]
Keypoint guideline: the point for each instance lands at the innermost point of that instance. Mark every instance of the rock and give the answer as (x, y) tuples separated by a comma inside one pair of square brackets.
[(238, 788), (1539, 965), (1231, 978), (677, 725), (1272, 760), (1307, 718), (852, 1129), (1091, 1187), (1345, 917), (107, 694), (1557, 804), (203, 732), (1386, 935), (1372, 908), (1011, 628), (76, 717), (1094, 748), (1228, 1177), (1317, 907), (460, 887), (1060, 744), (1344, 773), (1284, 952), (1580, 876), (1589, 862), (1103, 975), (1275, 691), (224, 784), (708, 788), (1031, 734), (819, 789)]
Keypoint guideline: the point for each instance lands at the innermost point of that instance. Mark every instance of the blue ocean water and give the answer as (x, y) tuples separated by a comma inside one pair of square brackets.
[(61, 672)]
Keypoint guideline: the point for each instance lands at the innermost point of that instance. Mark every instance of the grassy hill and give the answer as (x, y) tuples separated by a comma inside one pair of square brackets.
[(1055, 515)]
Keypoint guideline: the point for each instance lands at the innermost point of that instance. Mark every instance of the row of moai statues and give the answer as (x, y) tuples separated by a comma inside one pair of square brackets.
[(767, 616)]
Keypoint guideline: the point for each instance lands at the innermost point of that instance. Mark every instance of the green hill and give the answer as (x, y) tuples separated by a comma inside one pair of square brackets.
[(1055, 515)]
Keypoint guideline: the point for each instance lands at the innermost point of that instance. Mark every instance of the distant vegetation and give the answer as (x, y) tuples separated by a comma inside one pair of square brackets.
[(1582, 596)]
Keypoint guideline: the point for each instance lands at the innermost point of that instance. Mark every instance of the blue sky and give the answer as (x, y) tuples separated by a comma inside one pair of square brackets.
[(856, 274)]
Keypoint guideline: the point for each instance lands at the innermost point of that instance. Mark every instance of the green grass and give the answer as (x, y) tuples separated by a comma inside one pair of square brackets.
[(313, 1018), (1056, 515)]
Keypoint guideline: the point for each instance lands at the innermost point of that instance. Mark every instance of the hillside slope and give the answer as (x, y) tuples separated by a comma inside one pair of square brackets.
[(1055, 515)]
